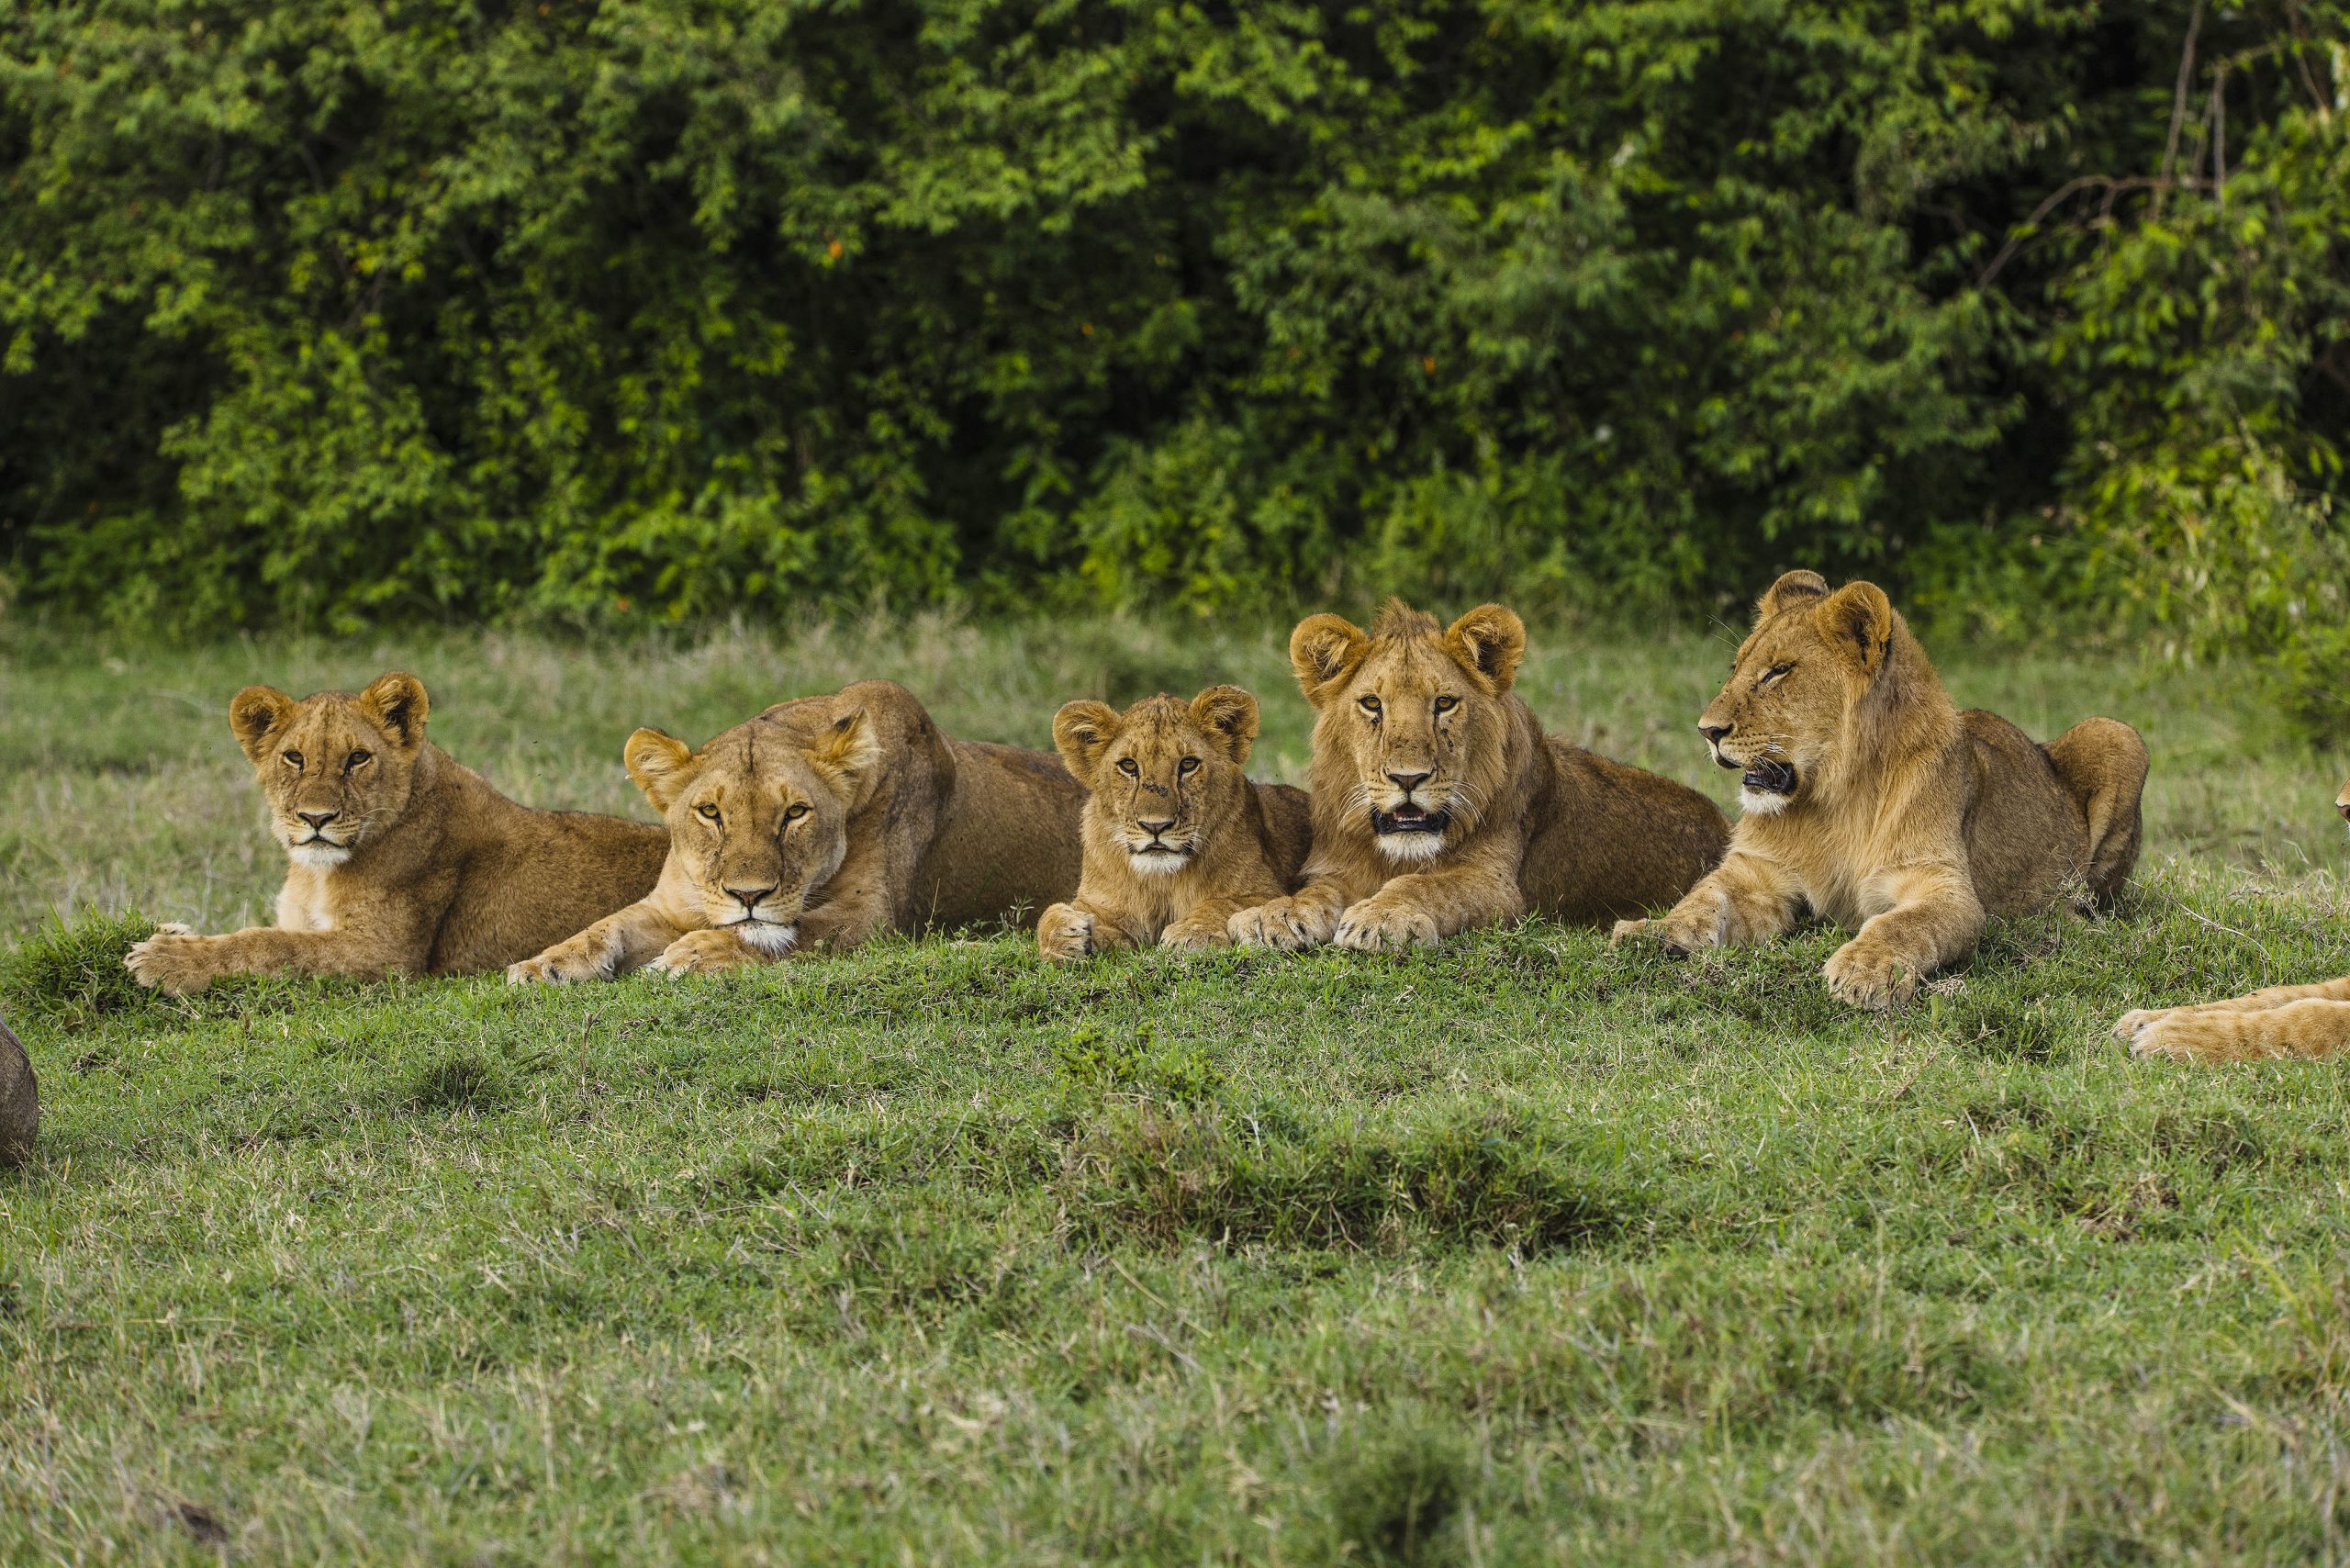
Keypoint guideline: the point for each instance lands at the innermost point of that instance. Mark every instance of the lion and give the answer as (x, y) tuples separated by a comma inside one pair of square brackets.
[(822, 824), (1870, 800), (1176, 838), (401, 859), (19, 1102), (1439, 806), (2278, 1021)]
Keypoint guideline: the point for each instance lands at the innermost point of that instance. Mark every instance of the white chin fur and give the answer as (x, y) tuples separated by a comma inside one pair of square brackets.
[(319, 855), (1157, 865), (769, 937), (1761, 803), (1411, 846)]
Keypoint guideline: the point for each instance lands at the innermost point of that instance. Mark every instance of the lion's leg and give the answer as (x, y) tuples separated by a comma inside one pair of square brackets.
[(844, 923), (1930, 917), (2310, 1027), (1306, 918), (1743, 902), (1079, 929), (1208, 924), (1421, 908), (177, 960), (2102, 763), (2131, 1024), (613, 945)]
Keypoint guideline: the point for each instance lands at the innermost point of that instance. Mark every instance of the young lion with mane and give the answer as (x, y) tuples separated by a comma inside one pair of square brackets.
[(403, 861), (1440, 804), (2305, 1021), (823, 823), (1178, 839), (1870, 800)]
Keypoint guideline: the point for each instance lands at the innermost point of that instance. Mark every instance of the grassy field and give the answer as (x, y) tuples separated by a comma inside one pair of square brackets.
[(1520, 1250)]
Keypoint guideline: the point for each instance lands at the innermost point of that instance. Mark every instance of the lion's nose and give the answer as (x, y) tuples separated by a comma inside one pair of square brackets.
[(2343, 807), (1407, 782), (1154, 828), (1713, 732), (317, 818), (749, 897)]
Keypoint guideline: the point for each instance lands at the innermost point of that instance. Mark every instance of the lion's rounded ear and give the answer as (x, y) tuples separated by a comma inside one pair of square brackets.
[(254, 713), (1791, 589), (1228, 717), (1490, 640), (1857, 622), (396, 704), (848, 754), (1325, 650), (1083, 731), (662, 765)]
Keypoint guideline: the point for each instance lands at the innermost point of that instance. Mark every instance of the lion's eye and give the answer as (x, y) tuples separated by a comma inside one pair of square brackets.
[(356, 759), (709, 813), (1370, 706), (293, 759), (1188, 765), (1126, 765), (799, 810), (1773, 673), (1447, 703)]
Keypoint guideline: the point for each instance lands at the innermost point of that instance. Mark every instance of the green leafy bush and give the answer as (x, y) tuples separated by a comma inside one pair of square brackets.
[(335, 313)]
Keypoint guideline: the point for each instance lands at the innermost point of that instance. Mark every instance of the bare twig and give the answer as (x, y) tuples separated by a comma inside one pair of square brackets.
[(2178, 98), (2112, 187), (2220, 135)]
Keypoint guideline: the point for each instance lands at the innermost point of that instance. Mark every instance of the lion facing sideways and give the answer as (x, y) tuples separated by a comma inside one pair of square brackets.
[(1440, 805), (1176, 838), (1873, 801), (402, 860), (825, 821), (2276, 1021)]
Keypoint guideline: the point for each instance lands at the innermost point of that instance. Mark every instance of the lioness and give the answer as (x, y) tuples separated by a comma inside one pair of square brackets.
[(1871, 800), (1440, 804), (2276, 1021), (823, 822), (1177, 837), (403, 861)]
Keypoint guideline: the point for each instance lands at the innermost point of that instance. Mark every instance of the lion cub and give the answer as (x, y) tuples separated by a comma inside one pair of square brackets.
[(823, 822), (1871, 800), (1177, 837), (403, 860), (2276, 1021), (1440, 805)]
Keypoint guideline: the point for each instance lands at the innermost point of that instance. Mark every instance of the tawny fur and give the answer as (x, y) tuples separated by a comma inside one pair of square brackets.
[(1176, 838), (1413, 715), (826, 822), (19, 1102), (2280, 1021), (408, 862), (1908, 819)]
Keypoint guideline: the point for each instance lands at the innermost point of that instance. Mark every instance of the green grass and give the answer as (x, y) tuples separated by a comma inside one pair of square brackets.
[(1520, 1250)]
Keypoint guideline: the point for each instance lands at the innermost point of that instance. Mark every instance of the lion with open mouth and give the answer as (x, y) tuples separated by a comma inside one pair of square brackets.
[(1870, 800), (1439, 806)]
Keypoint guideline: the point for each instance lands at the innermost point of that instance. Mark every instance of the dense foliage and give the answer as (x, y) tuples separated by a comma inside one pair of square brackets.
[(342, 310)]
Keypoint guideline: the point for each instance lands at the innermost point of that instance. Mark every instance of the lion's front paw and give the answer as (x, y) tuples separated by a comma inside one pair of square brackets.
[(1287, 924), (1064, 932), (1676, 933), (2130, 1026), (1194, 935), (701, 953), (566, 963), (174, 961), (1871, 978), (1380, 924)]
